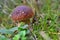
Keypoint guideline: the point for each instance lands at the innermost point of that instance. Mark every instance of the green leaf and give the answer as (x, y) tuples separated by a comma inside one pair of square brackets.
[(3, 37), (16, 37), (24, 27), (5, 31), (22, 33)]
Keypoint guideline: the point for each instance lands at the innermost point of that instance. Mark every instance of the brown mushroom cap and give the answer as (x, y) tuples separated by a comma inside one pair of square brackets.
[(22, 13)]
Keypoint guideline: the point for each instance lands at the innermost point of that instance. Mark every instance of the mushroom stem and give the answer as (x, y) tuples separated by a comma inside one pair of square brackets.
[(18, 24)]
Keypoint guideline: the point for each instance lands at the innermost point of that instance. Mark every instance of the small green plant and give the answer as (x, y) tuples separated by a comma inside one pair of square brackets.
[(22, 31)]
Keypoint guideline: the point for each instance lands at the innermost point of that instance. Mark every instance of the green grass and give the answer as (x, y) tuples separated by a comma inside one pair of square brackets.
[(47, 13)]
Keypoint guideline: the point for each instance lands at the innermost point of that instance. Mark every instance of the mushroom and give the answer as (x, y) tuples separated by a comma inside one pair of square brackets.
[(22, 13)]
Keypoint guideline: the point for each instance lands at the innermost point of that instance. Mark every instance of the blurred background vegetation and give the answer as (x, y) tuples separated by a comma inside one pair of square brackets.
[(47, 13)]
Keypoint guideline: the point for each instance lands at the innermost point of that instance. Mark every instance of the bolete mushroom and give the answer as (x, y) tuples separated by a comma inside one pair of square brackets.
[(22, 13)]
